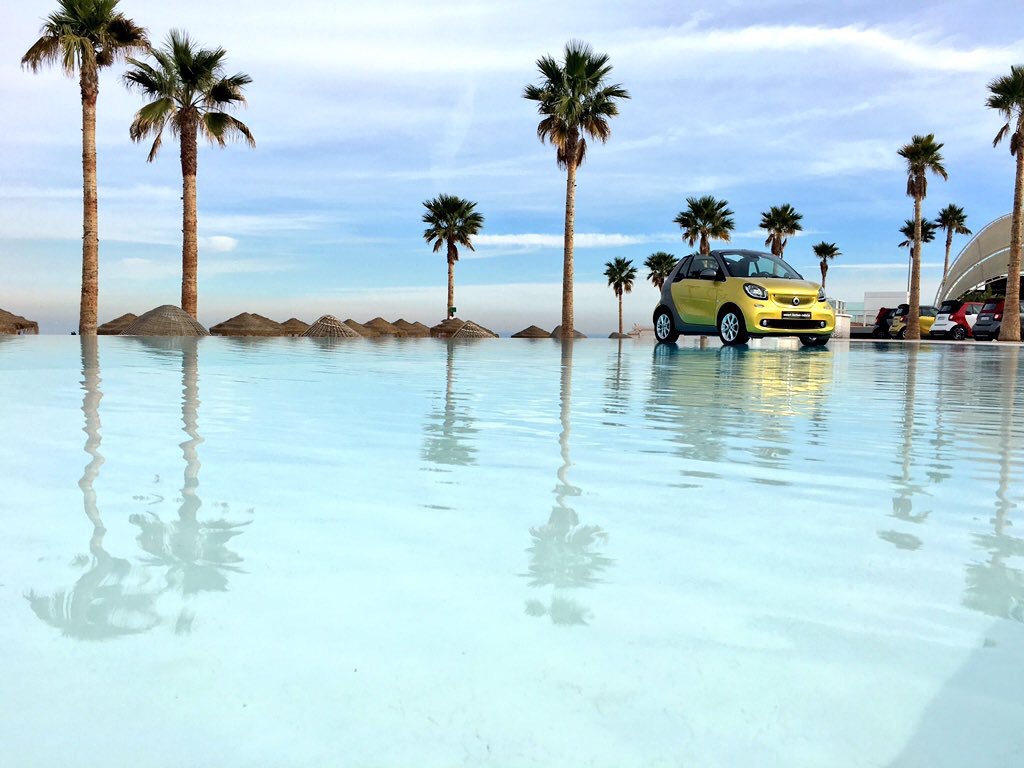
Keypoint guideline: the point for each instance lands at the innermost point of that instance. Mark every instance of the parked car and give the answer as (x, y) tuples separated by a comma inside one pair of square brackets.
[(990, 320), (882, 322), (898, 329), (741, 294), (956, 319)]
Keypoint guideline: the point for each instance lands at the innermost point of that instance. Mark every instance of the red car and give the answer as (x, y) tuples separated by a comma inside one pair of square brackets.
[(956, 319)]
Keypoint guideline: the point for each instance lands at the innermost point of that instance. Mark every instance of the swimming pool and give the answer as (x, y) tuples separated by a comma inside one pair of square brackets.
[(510, 553)]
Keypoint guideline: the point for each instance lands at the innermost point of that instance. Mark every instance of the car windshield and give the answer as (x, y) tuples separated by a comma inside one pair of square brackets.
[(991, 306), (758, 265), (902, 310), (949, 306)]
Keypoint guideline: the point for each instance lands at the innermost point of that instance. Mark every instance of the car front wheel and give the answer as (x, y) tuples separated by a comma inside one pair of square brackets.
[(959, 333), (664, 329), (731, 327)]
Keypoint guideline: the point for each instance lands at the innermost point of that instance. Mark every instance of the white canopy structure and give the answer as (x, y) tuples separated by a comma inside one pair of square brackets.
[(986, 257)]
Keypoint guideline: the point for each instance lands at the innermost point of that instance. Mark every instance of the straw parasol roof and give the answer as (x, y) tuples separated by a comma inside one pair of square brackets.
[(557, 333), (248, 324), (361, 329), (617, 335), (383, 327), (453, 328), (411, 329), (331, 327), (118, 324), (17, 325), (533, 332), (167, 320), (295, 327)]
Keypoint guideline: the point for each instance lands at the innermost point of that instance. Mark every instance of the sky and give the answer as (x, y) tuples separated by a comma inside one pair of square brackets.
[(361, 111)]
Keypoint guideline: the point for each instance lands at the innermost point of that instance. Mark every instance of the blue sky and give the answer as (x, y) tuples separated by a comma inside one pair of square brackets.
[(362, 111)]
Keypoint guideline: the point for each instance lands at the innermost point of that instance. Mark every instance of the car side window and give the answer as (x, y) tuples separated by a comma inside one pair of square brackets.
[(681, 273), (699, 264)]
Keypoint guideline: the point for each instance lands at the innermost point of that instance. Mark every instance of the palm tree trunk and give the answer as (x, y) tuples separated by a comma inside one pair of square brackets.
[(1010, 330), (189, 240), (90, 208), (705, 246), (570, 224), (949, 244), (452, 256), (824, 271), (620, 314), (914, 314)]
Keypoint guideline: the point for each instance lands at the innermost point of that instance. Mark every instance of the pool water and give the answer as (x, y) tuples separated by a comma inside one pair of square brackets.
[(510, 553)]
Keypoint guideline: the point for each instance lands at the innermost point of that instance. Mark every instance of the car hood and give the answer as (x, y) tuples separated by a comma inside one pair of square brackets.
[(785, 287)]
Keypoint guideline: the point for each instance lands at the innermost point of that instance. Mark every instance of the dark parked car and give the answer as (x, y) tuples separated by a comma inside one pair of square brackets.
[(991, 320), (883, 320)]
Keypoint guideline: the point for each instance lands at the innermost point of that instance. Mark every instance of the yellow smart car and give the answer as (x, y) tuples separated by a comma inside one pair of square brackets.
[(739, 295), (898, 329)]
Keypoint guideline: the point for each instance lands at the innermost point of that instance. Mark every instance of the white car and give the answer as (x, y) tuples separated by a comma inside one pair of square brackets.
[(956, 319)]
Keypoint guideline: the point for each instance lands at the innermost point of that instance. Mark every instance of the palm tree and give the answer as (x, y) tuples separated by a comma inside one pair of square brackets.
[(825, 251), (928, 230), (451, 221), (620, 273), (704, 219), (781, 222), (84, 36), (954, 221), (576, 101), (190, 94), (922, 155), (1008, 99), (659, 264)]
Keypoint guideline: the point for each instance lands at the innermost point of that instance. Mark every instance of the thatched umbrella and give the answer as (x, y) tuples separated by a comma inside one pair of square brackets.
[(17, 325), (118, 324), (167, 320), (330, 327), (411, 329), (557, 333), (453, 328), (533, 332), (362, 330), (383, 327), (248, 324), (617, 335), (295, 327)]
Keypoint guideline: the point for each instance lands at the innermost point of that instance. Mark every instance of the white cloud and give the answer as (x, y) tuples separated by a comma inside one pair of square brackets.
[(134, 268), (218, 243)]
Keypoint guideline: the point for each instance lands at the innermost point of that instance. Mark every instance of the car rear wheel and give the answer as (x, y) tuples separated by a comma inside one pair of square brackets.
[(664, 329), (815, 341), (902, 334), (731, 327), (959, 333)]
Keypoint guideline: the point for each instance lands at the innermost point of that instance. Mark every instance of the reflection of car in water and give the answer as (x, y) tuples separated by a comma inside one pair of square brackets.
[(956, 319), (898, 328), (741, 295)]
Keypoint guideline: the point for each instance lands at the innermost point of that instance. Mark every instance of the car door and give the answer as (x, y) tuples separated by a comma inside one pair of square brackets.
[(699, 297), (677, 286)]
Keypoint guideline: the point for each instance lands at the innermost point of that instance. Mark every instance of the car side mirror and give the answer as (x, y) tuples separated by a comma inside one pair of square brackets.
[(709, 274)]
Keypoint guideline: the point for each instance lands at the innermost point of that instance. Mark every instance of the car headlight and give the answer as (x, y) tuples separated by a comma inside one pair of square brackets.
[(755, 291), (821, 294)]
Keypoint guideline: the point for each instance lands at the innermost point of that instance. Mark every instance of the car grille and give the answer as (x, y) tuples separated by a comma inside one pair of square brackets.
[(794, 325), (789, 300)]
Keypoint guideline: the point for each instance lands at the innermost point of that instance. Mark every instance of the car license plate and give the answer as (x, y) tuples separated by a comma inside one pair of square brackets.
[(985, 317), (942, 319), (796, 315)]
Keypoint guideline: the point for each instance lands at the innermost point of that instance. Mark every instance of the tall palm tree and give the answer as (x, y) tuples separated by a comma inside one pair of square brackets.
[(705, 219), (928, 230), (824, 252), (780, 222), (923, 155), (1007, 98), (191, 94), (576, 100), (953, 220), (620, 273), (659, 264), (451, 221), (84, 36)]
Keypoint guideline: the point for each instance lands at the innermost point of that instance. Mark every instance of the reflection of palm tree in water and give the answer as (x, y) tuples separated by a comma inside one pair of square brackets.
[(107, 601), (450, 432), (563, 553), (194, 552), (993, 587)]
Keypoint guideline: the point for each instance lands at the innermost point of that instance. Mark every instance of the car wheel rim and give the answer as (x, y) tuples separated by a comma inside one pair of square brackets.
[(730, 327), (662, 326)]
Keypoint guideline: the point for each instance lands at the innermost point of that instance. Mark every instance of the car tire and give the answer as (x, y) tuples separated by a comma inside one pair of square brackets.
[(819, 340), (664, 328), (902, 335), (732, 328), (959, 333)]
